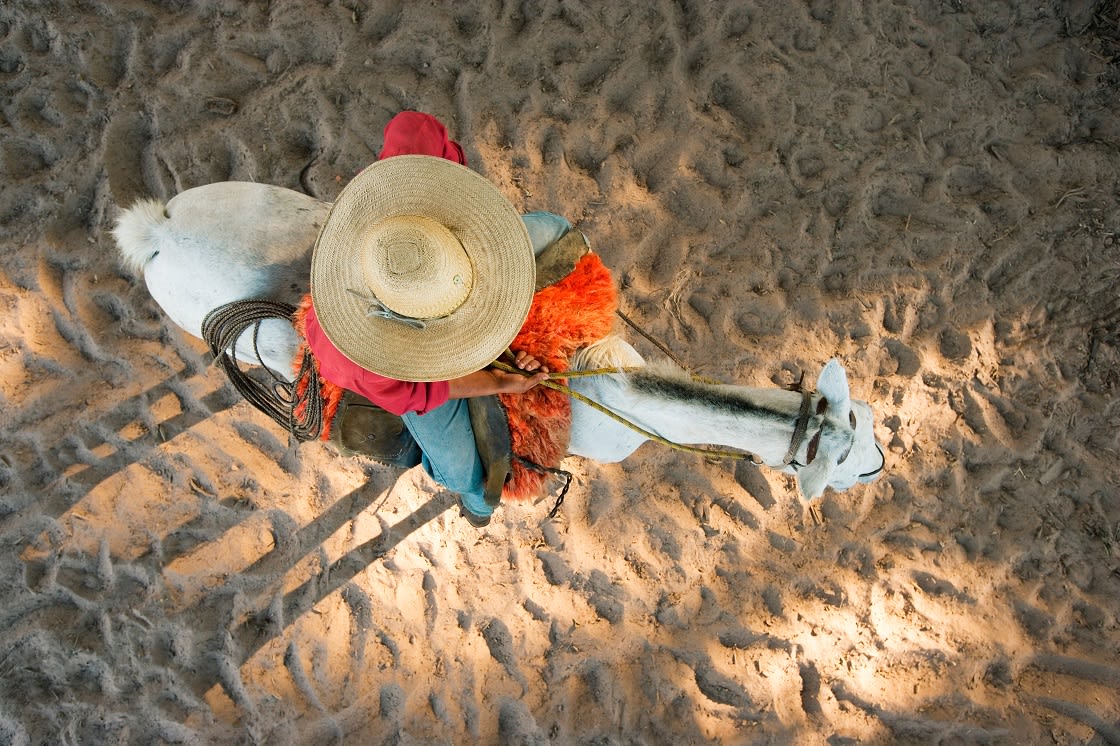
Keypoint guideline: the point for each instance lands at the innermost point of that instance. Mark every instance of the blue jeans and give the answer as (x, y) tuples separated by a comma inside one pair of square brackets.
[(448, 452), (445, 435)]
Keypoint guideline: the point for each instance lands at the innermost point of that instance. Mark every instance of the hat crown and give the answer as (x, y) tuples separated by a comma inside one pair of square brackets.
[(416, 267)]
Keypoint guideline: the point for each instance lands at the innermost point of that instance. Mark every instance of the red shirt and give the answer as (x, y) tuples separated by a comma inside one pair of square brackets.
[(395, 396)]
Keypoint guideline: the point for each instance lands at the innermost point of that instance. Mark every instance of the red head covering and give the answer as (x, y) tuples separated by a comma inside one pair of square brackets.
[(414, 133)]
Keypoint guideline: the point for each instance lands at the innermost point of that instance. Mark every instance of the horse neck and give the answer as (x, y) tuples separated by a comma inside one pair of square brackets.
[(758, 420)]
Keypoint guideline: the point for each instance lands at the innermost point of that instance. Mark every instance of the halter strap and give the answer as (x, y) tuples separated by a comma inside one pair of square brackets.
[(800, 428)]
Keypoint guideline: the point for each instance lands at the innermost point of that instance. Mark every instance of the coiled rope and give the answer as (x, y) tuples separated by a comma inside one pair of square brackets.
[(296, 406)]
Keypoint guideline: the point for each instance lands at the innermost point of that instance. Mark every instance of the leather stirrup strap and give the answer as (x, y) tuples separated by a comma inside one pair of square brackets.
[(557, 260), (362, 428), (492, 438)]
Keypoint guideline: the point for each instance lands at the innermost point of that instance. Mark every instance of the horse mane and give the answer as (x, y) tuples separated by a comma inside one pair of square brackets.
[(669, 382)]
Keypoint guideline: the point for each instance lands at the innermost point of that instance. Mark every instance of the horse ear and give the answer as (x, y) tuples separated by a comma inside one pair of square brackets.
[(813, 478), (832, 384)]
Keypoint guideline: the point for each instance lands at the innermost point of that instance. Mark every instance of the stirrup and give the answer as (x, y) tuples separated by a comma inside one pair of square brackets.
[(494, 444)]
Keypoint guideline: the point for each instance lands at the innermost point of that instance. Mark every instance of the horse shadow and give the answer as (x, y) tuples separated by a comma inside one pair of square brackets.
[(128, 451), (86, 453)]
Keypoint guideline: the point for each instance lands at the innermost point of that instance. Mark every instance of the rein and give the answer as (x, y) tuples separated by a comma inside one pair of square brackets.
[(800, 428), (298, 407)]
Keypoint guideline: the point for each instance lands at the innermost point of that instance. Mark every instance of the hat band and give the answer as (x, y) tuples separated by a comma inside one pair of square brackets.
[(379, 310)]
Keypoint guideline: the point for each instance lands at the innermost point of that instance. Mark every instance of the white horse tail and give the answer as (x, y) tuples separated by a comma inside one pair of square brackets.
[(135, 233)]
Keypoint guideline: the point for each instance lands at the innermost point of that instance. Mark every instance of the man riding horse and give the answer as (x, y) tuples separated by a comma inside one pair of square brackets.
[(421, 278)]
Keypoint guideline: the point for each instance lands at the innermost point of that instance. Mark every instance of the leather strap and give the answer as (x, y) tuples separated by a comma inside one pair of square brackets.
[(799, 429), (495, 447)]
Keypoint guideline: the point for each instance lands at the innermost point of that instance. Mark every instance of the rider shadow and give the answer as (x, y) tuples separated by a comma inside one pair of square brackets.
[(236, 634)]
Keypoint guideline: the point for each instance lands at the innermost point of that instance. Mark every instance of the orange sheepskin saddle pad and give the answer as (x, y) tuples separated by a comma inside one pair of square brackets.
[(570, 314)]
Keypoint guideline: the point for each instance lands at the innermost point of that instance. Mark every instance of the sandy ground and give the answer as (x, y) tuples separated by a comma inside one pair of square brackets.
[(928, 191)]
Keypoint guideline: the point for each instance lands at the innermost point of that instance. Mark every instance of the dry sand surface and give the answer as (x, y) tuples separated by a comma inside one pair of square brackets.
[(928, 191)]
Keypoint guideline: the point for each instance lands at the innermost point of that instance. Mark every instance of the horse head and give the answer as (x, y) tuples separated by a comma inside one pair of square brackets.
[(846, 451)]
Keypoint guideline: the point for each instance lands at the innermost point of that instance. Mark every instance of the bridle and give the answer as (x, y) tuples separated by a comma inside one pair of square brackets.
[(882, 465), (801, 429)]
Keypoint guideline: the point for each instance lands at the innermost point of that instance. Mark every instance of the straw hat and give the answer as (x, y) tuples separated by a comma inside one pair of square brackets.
[(423, 271)]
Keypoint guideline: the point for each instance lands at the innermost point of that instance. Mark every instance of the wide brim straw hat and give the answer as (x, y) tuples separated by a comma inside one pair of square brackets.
[(423, 270)]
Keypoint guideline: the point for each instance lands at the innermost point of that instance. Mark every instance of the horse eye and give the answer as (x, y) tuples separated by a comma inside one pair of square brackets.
[(852, 418)]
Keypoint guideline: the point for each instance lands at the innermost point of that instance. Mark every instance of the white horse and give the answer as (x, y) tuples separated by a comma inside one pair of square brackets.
[(230, 241)]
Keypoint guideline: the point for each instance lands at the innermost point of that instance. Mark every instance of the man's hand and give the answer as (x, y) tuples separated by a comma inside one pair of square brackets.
[(515, 383), (494, 381)]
